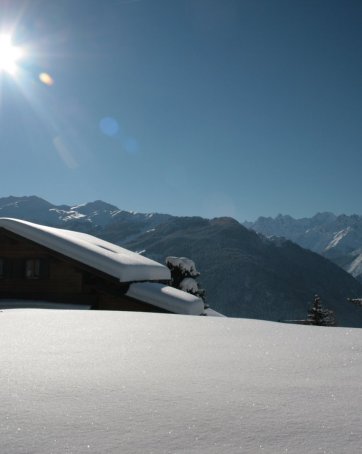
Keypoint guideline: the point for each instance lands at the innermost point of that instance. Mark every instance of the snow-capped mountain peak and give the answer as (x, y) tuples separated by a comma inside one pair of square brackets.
[(338, 238)]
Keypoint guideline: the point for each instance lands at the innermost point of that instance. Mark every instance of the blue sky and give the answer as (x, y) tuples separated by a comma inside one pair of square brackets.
[(190, 107)]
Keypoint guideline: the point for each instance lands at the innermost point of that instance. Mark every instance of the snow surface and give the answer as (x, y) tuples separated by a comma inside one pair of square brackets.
[(122, 382), (168, 298), (355, 268), (114, 260), (34, 304), (67, 215), (337, 238)]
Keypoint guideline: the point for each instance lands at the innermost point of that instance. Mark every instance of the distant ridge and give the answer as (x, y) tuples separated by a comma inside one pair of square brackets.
[(338, 238), (244, 273)]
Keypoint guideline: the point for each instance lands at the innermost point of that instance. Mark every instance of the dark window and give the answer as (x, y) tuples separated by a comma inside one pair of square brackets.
[(36, 268), (5, 268), (20, 268), (32, 268), (17, 268)]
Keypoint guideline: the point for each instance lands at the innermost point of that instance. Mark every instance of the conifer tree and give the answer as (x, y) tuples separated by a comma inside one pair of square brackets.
[(357, 301), (319, 316), (184, 275)]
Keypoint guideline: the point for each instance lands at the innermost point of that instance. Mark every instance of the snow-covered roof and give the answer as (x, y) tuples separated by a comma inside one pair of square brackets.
[(165, 297), (211, 313), (109, 258)]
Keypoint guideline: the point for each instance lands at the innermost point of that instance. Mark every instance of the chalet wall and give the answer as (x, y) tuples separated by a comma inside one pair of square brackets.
[(61, 279), (56, 278)]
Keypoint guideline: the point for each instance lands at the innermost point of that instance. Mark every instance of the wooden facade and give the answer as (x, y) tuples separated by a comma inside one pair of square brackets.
[(29, 271)]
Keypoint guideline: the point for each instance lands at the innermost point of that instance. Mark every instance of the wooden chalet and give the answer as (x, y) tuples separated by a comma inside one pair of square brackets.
[(40, 263)]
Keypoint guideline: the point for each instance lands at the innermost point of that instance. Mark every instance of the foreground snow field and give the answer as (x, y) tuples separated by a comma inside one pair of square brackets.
[(121, 382)]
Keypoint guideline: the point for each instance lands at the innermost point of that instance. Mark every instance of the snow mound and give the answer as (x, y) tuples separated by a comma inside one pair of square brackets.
[(94, 382)]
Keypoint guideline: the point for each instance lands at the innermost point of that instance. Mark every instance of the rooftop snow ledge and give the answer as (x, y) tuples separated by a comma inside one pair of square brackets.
[(109, 258), (211, 313), (165, 297)]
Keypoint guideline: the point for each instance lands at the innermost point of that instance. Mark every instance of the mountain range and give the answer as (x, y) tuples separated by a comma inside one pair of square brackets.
[(245, 274), (338, 238)]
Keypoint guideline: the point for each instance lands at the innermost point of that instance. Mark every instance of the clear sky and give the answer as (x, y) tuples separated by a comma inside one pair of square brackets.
[(190, 107)]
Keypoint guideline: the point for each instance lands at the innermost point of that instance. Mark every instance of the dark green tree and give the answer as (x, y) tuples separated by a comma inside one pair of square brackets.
[(319, 316), (184, 276), (357, 301)]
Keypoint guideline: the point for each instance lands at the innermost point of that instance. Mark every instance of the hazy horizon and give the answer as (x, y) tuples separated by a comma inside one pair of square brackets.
[(83, 202)]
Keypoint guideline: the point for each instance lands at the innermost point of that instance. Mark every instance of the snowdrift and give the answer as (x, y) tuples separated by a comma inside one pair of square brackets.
[(91, 382)]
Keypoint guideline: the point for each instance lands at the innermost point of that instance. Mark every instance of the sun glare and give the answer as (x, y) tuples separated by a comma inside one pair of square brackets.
[(9, 55)]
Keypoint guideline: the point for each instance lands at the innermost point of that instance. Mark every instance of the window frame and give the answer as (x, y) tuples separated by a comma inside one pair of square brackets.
[(33, 268)]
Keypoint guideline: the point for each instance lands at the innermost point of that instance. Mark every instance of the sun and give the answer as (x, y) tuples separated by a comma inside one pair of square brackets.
[(9, 55)]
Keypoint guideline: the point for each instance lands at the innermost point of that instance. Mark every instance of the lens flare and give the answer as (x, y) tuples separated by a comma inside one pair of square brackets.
[(109, 126), (46, 79), (9, 55)]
